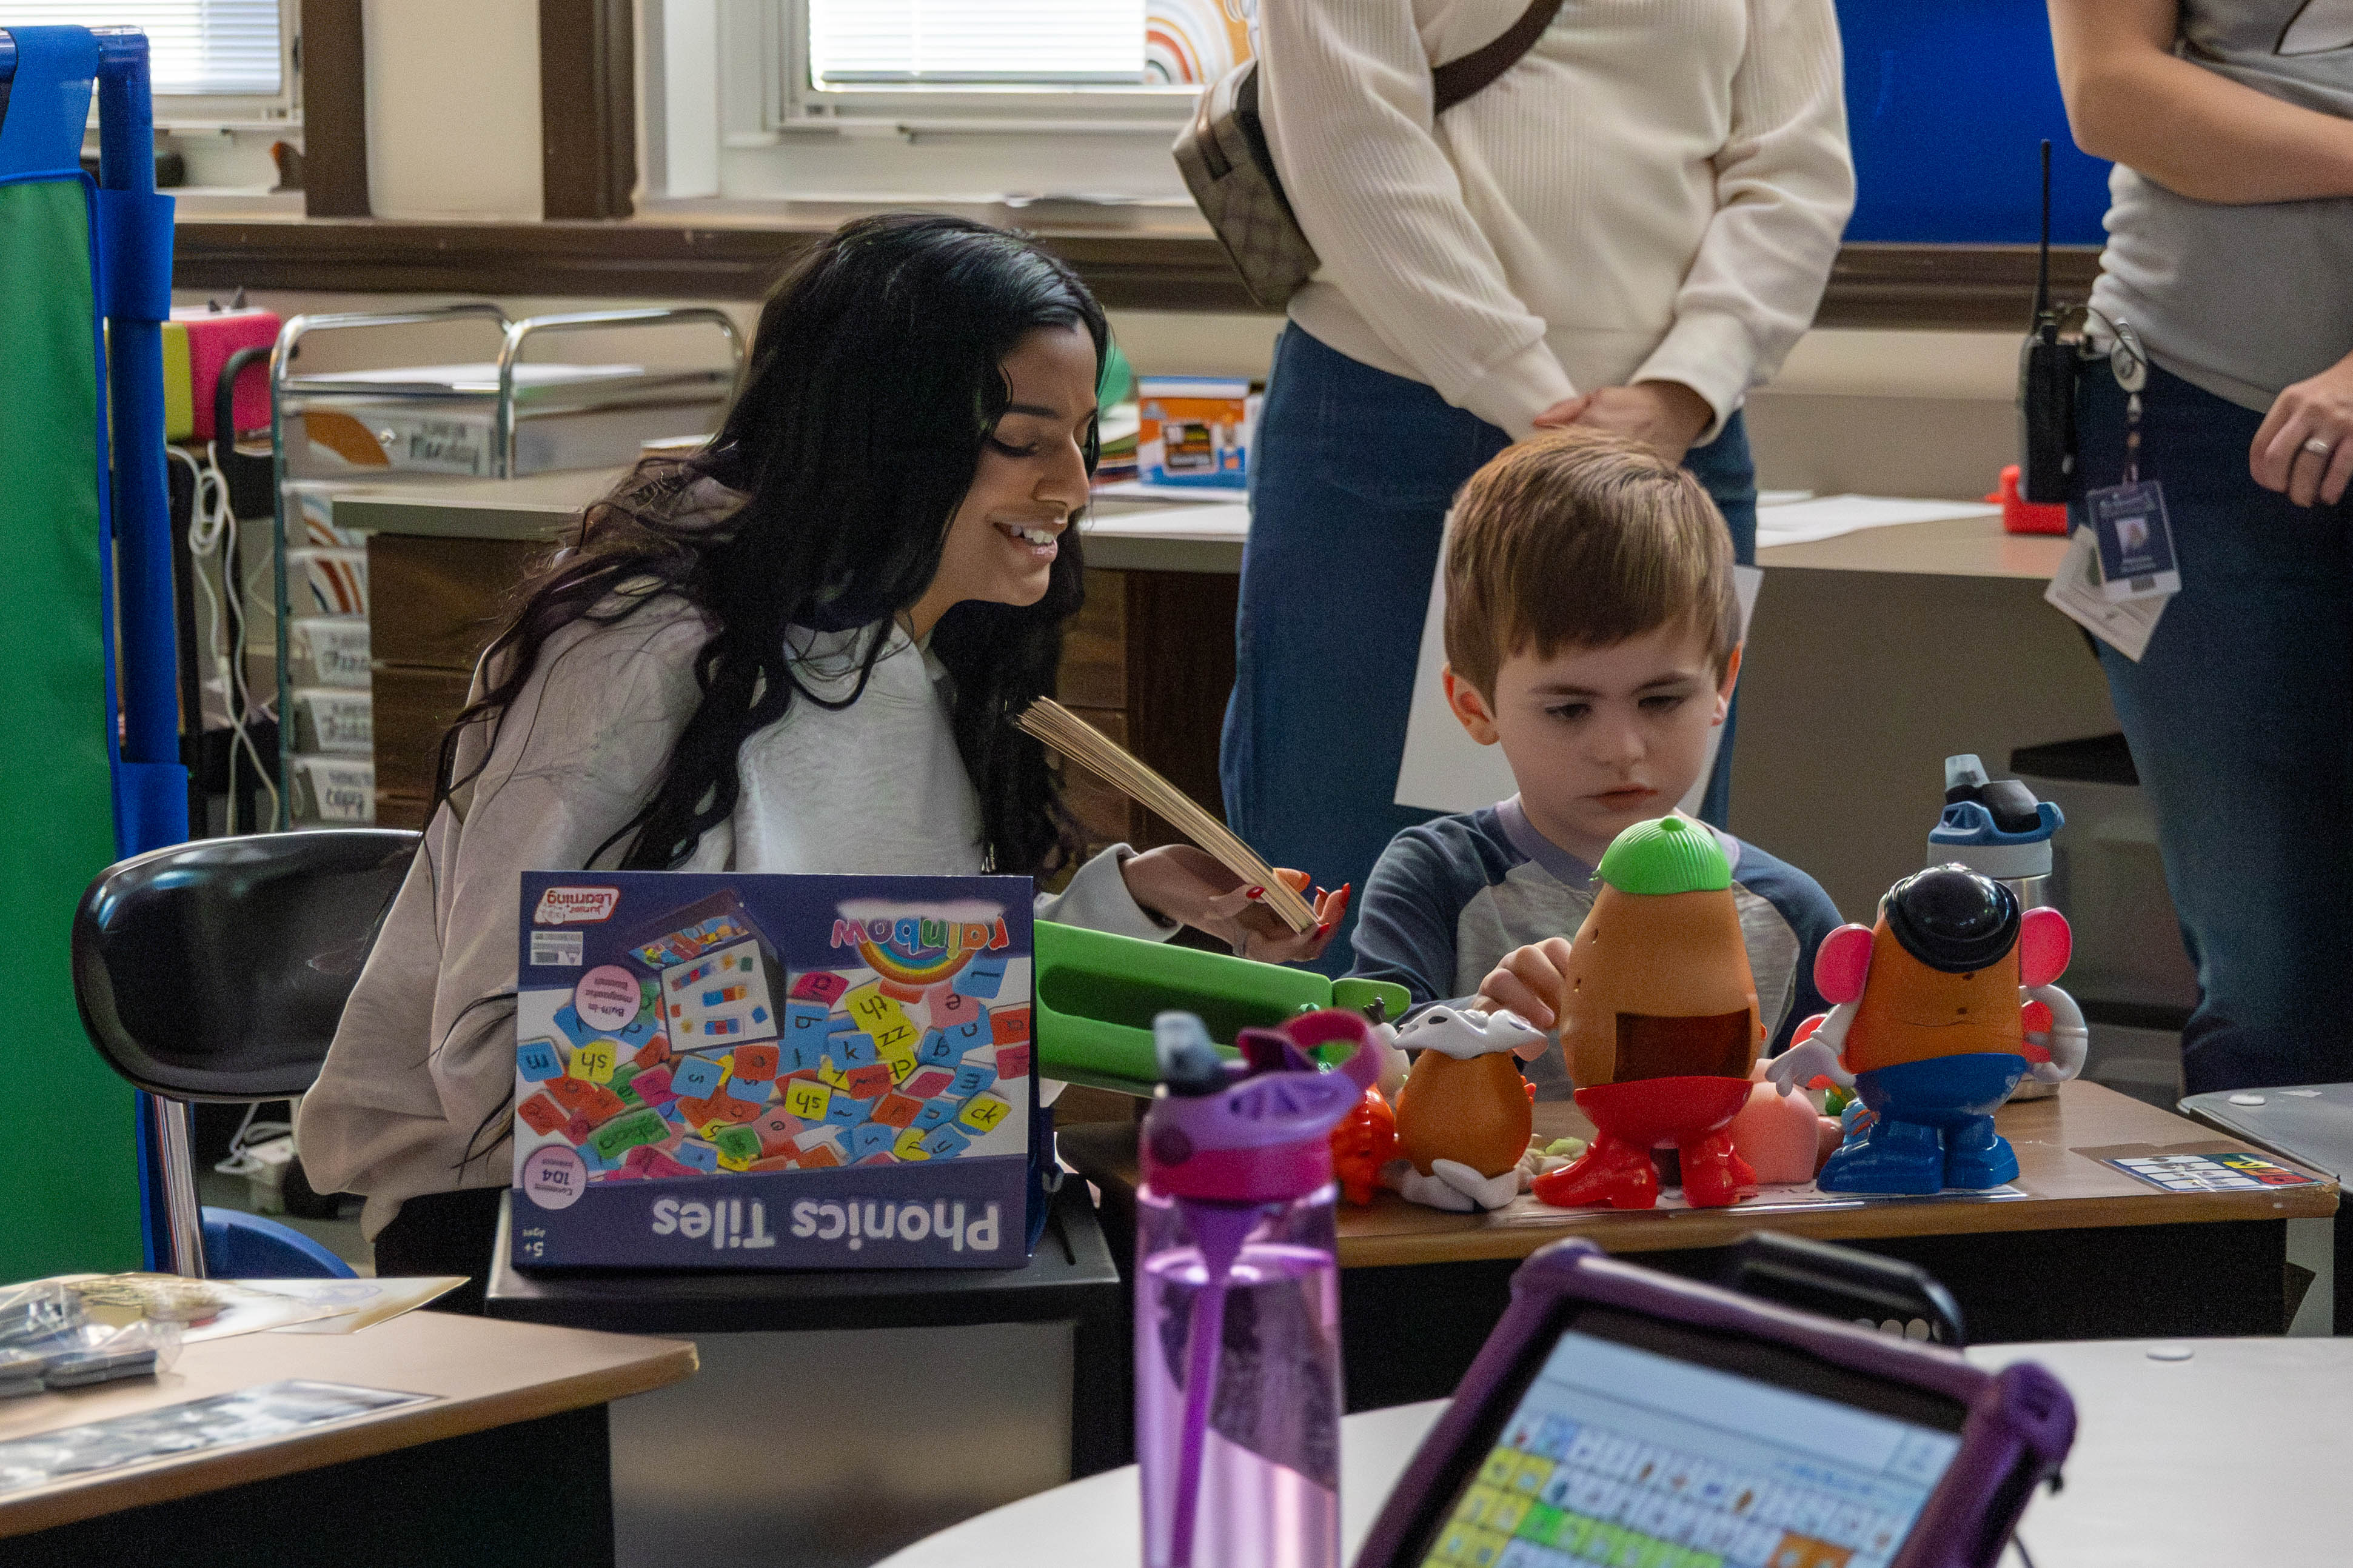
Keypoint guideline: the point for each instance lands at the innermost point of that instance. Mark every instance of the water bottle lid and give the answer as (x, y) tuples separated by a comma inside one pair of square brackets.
[(1260, 1130)]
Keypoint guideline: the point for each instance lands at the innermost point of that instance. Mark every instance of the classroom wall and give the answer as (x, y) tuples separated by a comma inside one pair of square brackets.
[(453, 108)]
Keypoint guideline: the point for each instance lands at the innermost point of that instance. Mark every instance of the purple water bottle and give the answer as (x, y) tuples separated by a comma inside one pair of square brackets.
[(1237, 1298)]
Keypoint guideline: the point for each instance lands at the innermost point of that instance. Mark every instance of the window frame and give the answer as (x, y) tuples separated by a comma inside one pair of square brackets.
[(794, 100)]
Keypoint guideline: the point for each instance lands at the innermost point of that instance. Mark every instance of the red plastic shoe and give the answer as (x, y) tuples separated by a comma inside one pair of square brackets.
[(1714, 1172), (1612, 1171)]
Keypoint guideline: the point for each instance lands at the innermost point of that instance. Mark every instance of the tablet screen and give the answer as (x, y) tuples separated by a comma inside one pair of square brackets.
[(1641, 1444)]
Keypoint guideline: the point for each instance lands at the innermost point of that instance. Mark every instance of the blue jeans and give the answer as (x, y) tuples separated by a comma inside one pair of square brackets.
[(2238, 718), (1350, 481)]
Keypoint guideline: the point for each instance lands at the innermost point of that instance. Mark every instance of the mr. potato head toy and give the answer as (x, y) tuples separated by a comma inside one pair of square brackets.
[(1659, 1022), (1936, 1021)]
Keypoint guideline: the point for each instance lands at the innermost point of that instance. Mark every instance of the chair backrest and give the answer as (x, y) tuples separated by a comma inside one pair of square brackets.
[(218, 970)]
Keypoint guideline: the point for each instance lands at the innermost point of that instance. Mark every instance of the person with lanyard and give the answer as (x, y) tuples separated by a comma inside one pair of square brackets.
[(2226, 294), (801, 649), (1625, 230)]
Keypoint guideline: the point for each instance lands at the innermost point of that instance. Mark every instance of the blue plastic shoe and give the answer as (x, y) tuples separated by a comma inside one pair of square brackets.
[(1889, 1157), (1977, 1157)]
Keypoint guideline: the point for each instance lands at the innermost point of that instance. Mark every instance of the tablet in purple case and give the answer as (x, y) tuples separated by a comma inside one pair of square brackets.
[(1620, 1415)]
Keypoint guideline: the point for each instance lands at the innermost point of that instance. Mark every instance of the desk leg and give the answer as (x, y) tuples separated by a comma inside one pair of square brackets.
[(1102, 1408), (536, 1492)]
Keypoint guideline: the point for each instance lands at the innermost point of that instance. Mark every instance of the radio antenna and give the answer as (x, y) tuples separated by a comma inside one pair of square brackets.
[(2044, 322)]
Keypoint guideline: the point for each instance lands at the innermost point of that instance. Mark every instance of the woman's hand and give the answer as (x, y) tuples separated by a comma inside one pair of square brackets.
[(2306, 444), (1665, 415), (1528, 981), (1178, 882)]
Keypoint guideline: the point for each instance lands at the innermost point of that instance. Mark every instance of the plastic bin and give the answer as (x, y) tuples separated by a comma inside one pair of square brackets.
[(333, 790), (328, 650), (335, 718)]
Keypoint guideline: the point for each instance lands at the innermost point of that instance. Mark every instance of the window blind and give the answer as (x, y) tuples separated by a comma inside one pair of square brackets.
[(977, 41), (195, 45)]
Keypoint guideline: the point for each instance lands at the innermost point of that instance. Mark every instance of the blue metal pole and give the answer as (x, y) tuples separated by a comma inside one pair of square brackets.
[(149, 654), (147, 650)]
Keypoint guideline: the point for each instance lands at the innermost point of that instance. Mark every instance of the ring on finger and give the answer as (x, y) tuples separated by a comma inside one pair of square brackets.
[(2319, 447)]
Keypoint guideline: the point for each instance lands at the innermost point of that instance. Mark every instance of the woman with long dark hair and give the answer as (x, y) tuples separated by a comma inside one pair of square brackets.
[(800, 650)]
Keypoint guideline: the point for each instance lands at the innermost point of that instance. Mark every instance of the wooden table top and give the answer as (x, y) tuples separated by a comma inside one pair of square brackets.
[(1960, 547), (2065, 1190), (481, 1373)]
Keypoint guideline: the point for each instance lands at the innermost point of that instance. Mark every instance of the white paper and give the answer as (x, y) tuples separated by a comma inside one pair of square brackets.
[(2078, 592), (1182, 495), (1230, 521), (1828, 517), (1445, 770)]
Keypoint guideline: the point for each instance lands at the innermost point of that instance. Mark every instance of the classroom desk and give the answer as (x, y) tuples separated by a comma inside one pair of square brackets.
[(2311, 1124), (2089, 1252), (1070, 1278), (2231, 1455), (507, 1462), (1013, 1379)]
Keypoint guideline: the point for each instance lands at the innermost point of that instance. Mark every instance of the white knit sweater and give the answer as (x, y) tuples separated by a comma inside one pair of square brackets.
[(412, 1097), (1655, 192)]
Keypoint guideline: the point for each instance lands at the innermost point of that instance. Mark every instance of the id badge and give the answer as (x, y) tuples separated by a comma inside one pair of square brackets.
[(2136, 541)]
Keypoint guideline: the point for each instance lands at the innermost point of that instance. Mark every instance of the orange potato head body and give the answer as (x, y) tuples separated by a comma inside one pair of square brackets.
[(1659, 1021), (1930, 1028)]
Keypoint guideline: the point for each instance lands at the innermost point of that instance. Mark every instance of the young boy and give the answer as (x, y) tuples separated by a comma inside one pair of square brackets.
[(1592, 632)]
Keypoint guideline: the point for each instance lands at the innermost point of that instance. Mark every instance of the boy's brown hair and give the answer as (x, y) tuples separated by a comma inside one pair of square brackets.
[(1580, 538)]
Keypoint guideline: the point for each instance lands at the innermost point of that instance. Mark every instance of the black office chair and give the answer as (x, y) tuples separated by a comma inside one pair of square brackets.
[(217, 970)]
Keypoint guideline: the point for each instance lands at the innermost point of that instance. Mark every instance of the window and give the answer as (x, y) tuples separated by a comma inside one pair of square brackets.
[(962, 100), (197, 48), (935, 42)]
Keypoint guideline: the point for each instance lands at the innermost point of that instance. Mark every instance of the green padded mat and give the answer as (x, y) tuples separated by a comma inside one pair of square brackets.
[(68, 1168)]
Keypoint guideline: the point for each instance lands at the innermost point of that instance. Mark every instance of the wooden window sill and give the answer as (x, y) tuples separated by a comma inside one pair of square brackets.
[(1142, 258)]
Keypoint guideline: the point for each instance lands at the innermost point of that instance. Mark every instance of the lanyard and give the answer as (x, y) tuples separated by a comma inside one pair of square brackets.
[(2129, 363)]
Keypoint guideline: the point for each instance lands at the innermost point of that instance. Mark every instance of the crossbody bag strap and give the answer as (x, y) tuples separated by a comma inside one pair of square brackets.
[(1458, 79)]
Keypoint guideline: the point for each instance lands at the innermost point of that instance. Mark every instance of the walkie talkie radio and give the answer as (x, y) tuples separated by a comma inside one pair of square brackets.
[(2046, 384)]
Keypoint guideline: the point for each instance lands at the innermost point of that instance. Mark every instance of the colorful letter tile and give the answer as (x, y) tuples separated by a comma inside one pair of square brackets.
[(983, 1112), (819, 985), (1010, 1026), (544, 1116), (593, 1061), (698, 1155), (984, 976), (925, 1082), (935, 1114), (970, 1079), (897, 1109), (538, 1060), (806, 1100), (1013, 1061), (696, 1076), (869, 1082), (871, 1138), (945, 1143), (623, 1134)]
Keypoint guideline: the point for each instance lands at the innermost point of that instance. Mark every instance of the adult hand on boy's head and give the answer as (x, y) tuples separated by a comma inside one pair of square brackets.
[(1189, 886), (1665, 415), (1528, 981)]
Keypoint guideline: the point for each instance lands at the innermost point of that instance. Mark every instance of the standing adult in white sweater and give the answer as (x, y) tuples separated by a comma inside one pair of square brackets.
[(1629, 228), (800, 650)]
